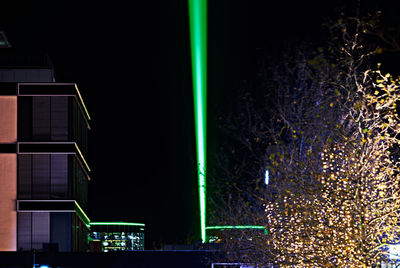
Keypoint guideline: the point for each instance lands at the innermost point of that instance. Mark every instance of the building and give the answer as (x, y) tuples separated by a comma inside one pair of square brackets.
[(43, 171), (43, 149), (116, 236)]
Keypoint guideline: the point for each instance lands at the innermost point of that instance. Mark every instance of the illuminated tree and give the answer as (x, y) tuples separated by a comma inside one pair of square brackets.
[(328, 136)]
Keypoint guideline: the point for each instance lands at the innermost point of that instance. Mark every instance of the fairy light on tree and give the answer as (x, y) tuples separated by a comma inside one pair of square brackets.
[(266, 177), (331, 139), (352, 217)]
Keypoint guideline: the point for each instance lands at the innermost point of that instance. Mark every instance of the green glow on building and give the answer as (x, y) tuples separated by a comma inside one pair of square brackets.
[(230, 227), (118, 223), (222, 227), (82, 214), (198, 44)]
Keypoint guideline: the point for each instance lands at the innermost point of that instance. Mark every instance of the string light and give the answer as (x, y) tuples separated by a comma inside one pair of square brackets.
[(353, 217)]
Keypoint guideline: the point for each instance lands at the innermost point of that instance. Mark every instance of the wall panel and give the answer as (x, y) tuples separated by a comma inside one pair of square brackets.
[(8, 119), (8, 193)]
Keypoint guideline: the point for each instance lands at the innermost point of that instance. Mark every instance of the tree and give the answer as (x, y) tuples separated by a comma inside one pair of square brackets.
[(328, 136)]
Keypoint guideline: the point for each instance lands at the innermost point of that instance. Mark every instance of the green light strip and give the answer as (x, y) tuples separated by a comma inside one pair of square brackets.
[(118, 223), (230, 227), (82, 214), (198, 42), (235, 227)]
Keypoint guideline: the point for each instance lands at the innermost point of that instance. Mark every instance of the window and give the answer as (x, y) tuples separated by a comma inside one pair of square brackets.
[(43, 176), (33, 230)]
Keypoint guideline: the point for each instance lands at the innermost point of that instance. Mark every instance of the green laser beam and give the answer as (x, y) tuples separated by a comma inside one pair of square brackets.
[(198, 45)]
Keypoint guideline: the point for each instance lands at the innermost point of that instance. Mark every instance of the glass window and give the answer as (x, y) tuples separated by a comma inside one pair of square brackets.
[(33, 230), (43, 176)]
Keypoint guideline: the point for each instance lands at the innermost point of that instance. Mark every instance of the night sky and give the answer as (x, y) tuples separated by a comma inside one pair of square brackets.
[(131, 61)]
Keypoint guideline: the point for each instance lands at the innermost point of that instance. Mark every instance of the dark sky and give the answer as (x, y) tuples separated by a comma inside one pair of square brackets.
[(131, 62)]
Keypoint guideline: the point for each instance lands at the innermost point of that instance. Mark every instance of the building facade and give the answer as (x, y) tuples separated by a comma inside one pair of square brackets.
[(43, 150)]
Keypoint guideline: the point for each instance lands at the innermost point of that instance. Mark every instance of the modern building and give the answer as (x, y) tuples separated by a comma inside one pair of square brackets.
[(116, 236), (43, 149), (43, 172)]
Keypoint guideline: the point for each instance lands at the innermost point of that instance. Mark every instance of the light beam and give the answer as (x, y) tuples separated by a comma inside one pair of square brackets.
[(198, 44)]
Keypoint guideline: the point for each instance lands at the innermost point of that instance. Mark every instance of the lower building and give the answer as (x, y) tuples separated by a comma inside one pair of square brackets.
[(116, 236)]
